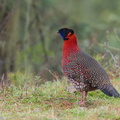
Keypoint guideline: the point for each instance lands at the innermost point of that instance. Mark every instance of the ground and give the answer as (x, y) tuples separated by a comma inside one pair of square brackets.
[(51, 101)]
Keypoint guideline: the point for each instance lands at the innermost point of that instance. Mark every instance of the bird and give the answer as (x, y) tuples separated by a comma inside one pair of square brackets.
[(82, 70)]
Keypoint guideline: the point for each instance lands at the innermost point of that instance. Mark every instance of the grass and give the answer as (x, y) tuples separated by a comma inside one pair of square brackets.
[(51, 101)]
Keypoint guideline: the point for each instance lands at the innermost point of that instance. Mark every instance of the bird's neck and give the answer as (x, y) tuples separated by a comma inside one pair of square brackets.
[(70, 45)]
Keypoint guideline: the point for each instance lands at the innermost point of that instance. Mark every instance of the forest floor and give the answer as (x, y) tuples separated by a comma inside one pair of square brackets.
[(51, 101)]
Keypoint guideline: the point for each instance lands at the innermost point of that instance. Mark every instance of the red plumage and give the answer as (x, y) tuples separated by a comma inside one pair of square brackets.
[(83, 71)]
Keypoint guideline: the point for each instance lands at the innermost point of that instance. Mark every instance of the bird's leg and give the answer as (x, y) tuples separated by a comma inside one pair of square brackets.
[(83, 100)]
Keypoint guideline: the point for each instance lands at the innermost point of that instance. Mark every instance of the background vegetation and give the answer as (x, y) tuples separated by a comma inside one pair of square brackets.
[(30, 48), (28, 33)]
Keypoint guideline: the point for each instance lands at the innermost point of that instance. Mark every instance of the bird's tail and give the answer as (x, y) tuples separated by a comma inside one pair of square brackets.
[(109, 90)]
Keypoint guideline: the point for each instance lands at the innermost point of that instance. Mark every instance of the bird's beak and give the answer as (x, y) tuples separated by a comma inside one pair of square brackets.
[(57, 31)]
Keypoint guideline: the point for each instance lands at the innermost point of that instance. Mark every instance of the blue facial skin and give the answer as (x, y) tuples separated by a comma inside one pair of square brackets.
[(63, 35)]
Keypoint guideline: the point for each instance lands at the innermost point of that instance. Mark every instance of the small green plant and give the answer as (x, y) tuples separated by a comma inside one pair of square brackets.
[(20, 79), (38, 80)]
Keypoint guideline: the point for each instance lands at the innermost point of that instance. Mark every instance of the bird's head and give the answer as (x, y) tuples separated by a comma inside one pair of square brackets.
[(66, 33)]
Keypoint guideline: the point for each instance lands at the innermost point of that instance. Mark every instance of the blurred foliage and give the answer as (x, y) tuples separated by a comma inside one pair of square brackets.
[(28, 33)]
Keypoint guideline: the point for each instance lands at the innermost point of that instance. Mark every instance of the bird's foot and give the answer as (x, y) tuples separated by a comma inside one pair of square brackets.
[(81, 103)]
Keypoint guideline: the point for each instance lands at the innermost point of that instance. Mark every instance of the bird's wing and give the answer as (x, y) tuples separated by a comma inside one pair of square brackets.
[(84, 68), (92, 70)]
